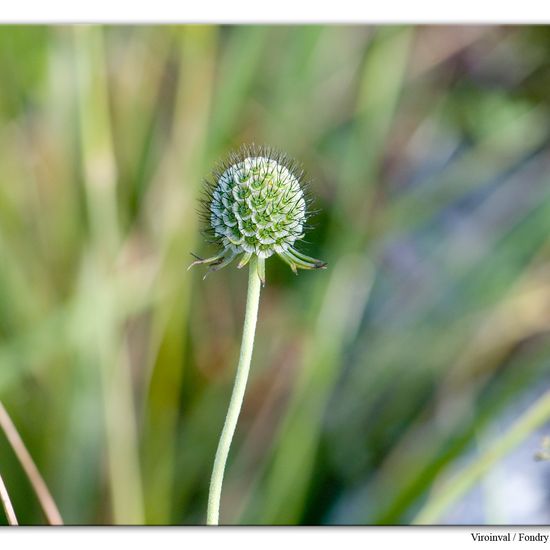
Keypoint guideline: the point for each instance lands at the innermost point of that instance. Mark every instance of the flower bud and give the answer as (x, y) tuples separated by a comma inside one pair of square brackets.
[(255, 205)]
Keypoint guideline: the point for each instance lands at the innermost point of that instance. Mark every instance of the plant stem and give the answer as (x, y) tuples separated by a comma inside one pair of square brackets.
[(251, 315), (37, 481), (6, 504)]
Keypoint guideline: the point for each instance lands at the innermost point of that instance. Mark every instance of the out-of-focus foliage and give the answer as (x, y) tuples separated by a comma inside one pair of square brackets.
[(372, 382)]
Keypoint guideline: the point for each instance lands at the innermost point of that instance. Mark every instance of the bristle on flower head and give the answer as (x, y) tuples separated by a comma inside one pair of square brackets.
[(255, 205)]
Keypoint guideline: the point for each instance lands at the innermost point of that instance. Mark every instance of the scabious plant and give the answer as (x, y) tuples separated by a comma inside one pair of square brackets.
[(254, 207)]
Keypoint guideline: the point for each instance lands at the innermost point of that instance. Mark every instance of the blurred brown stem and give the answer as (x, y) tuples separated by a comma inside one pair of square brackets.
[(45, 498), (6, 503)]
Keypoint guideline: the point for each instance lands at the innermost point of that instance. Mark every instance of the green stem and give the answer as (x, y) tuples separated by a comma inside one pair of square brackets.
[(252, 302)]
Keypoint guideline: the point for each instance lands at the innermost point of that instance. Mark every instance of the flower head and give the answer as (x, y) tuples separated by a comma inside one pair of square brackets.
[(255, 205)]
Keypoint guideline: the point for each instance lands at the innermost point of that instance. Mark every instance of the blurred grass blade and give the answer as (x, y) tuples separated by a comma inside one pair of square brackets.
[(6, 503), (106, 345), (239, 68), (38, 484), (176, 187), (96, 138), (454, 488)]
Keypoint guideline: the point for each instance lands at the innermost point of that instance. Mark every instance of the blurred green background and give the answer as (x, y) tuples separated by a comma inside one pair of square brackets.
[(377, 386)]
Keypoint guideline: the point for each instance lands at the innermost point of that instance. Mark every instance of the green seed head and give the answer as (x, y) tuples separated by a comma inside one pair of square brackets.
[(255, 205)]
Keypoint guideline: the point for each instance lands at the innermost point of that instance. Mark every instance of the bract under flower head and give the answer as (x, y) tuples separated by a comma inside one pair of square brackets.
[(255, 205)]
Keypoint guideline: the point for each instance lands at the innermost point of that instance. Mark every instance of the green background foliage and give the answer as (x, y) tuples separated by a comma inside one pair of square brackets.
[(374, 383)]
